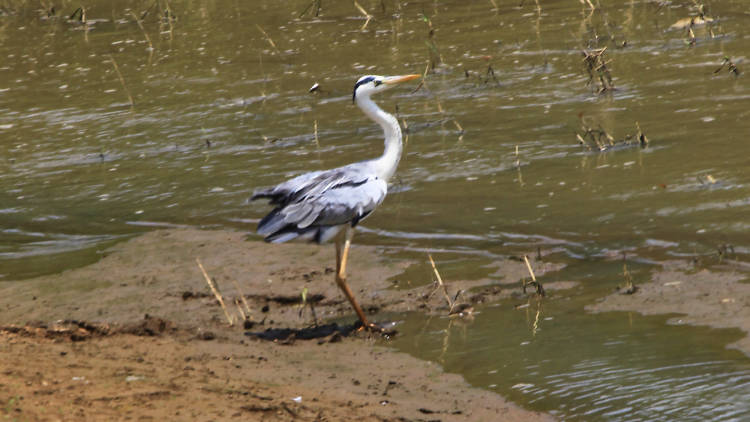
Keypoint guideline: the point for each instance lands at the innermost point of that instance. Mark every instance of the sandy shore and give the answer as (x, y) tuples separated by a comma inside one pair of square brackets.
[(138, 336)]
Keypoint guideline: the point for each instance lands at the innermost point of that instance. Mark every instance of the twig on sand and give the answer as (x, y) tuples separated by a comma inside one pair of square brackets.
[(215, 292)]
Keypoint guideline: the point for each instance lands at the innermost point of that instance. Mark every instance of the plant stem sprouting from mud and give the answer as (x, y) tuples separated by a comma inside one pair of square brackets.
[(691, 40), (313, 6), (249, 314), (262, 72), (140, 25), (168, 14), (168, 17), (707, 180), (215, 292), (640, 136), (445, 119), (518, 168), (435, 57), (315, 128), (460, 130), (122, 81), (597, 68), (442, 285), (304, 303), (588, 3), (731, 67), (489, 73), (629, 288), (364, 13), (539, 288), (598, 139), (239, 309), (268, 39), (148, 10), (700, 18), (723, 250), (422, 79), (537, 317), (80, 13)]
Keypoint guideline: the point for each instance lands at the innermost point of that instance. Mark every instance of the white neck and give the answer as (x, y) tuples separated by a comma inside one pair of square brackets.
[(386, 165)]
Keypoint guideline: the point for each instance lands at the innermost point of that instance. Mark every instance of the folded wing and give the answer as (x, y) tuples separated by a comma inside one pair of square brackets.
[(315, 206)]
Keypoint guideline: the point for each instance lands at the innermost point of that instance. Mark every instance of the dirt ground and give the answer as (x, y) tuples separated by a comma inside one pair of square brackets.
[(139, 336)]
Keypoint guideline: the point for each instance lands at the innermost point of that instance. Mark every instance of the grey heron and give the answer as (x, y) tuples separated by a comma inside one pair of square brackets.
[(322, 205)]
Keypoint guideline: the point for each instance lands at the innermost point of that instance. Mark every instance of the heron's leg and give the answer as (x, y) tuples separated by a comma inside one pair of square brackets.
[(338, 253), (348, 235), (341, 258)]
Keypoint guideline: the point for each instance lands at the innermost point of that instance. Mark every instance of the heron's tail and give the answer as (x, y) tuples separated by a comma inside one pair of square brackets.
[(266, 193)]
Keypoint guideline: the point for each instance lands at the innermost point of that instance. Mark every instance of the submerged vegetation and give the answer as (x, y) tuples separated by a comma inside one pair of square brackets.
[(597, 68), (598, 139), (729, 66)]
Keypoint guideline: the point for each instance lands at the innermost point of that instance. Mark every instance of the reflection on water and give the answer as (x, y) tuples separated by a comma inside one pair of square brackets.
[(491, 166)]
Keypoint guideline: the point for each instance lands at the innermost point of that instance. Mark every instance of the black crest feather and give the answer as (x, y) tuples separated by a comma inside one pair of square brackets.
[(361, 82)]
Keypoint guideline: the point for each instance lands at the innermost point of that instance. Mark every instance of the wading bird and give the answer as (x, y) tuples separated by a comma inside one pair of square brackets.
[(322, 205)]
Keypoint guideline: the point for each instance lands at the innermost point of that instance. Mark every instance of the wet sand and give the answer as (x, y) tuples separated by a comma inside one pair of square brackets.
[(138, 335)]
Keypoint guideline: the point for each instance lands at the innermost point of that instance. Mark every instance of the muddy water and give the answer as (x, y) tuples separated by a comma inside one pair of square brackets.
[(616, 367), (554, 356), (220, 106)]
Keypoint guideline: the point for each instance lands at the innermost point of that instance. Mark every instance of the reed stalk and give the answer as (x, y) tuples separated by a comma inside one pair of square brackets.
[(215, 292)]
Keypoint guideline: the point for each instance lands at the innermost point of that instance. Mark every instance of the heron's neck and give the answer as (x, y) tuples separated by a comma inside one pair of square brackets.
[(386, 165)]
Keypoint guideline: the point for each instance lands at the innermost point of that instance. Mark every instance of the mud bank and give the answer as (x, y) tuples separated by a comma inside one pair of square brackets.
[(138, 335)]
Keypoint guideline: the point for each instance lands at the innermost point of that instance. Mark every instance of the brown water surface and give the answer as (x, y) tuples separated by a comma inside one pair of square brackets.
[(220, 106)]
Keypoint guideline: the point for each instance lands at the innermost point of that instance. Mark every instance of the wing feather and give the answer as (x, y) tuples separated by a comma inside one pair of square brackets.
[(310, 205)]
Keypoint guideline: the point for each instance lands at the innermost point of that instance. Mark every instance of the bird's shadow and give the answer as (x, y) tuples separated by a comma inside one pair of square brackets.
[(328, 333)]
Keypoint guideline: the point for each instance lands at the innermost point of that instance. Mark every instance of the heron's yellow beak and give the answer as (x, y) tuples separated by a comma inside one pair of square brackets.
[(399, 79)]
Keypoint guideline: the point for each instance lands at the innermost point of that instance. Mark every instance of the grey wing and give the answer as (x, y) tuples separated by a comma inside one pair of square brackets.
[(315, 205), (292, 188)]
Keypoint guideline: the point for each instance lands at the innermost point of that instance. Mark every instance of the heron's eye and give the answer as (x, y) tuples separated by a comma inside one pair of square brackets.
[(377, 82)]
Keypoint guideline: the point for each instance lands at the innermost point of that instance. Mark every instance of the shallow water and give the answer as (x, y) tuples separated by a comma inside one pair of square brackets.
[(221, 107), (625, 367), (615, 366)]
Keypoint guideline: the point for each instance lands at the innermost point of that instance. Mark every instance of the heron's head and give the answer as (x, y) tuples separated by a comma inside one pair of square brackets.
[(372, 84)]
